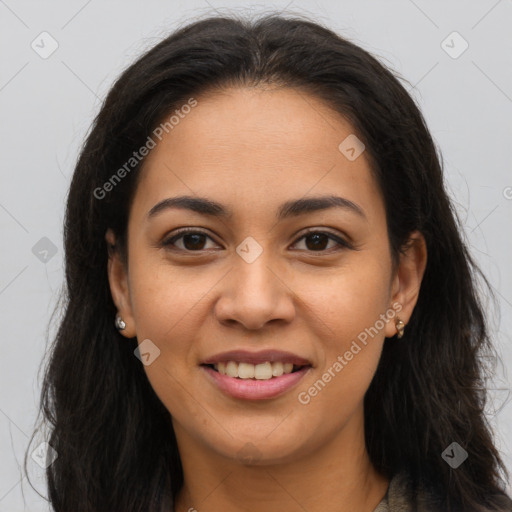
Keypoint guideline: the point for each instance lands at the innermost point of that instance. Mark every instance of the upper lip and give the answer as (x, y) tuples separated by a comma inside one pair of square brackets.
[(245, 356)]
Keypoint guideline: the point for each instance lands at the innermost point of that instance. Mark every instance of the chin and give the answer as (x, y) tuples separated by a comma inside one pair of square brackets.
[(261, 451)]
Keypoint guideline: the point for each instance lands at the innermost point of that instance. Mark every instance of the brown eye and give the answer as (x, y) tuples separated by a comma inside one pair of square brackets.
[(318, 241), (194, 241), (188, 240)]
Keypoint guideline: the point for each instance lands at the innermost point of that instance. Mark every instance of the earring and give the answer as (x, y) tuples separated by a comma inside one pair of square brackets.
[(120, 323), (399, 324)]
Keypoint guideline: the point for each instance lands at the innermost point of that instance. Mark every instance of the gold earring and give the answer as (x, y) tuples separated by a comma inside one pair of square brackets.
[(399, 324)]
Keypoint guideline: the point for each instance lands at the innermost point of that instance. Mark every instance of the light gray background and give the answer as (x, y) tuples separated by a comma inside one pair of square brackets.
[(48, 104)]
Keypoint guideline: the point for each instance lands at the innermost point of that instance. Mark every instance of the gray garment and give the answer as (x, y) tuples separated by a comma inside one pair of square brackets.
[(401, 497)]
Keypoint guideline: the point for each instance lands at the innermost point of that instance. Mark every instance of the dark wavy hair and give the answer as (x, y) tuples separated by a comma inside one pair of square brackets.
[(114, 438)]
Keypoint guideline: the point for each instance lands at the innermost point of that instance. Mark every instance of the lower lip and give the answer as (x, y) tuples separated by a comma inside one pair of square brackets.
[(253, 389)]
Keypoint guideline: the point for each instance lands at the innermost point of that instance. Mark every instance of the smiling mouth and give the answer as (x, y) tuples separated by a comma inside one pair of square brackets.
[(263, 371)]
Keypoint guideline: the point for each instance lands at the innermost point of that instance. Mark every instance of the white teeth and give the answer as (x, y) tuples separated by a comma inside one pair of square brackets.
[(277, 369), (231, 369), (262, 371), (245, 370)]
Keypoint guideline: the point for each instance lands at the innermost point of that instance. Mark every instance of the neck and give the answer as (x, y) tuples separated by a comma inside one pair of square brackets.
[(334, 477)]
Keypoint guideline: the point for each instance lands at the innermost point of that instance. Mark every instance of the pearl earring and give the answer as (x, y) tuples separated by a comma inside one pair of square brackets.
[(120, 323)]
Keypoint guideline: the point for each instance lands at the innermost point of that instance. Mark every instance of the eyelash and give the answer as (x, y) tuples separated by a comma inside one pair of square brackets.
[(342, 244)]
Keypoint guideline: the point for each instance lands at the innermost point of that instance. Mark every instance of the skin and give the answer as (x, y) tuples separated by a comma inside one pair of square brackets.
[(252, 149)]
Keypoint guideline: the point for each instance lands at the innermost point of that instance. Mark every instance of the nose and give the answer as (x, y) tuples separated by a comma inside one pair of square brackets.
[(253, 295)]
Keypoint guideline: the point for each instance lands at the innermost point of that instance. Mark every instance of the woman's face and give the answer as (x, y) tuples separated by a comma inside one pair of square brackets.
[(251, 280)]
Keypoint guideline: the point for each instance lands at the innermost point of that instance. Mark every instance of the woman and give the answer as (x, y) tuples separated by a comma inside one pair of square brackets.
[(269, 305)]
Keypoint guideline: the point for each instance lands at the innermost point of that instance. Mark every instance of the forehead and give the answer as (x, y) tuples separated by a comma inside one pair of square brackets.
[(257, 147)]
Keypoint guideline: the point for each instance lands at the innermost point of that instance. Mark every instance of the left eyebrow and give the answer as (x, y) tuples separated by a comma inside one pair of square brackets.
[(288, 209), (312, 204)]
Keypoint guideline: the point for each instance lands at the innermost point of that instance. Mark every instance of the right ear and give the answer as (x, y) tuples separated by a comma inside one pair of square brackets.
[(119, 286)]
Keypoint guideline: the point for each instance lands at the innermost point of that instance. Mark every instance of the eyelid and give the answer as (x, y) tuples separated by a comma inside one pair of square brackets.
[(324, 231), (343, 243), (177, 234)]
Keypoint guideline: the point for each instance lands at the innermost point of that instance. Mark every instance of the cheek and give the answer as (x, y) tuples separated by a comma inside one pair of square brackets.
[(352, 309), (166, 300), (166, 303), (347, 362), (349, 300)]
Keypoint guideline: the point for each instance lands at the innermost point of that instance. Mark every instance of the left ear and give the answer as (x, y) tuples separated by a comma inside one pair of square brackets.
[(406, 283)]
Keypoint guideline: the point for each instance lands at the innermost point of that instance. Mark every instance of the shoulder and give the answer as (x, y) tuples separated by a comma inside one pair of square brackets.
[(404, 496)]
